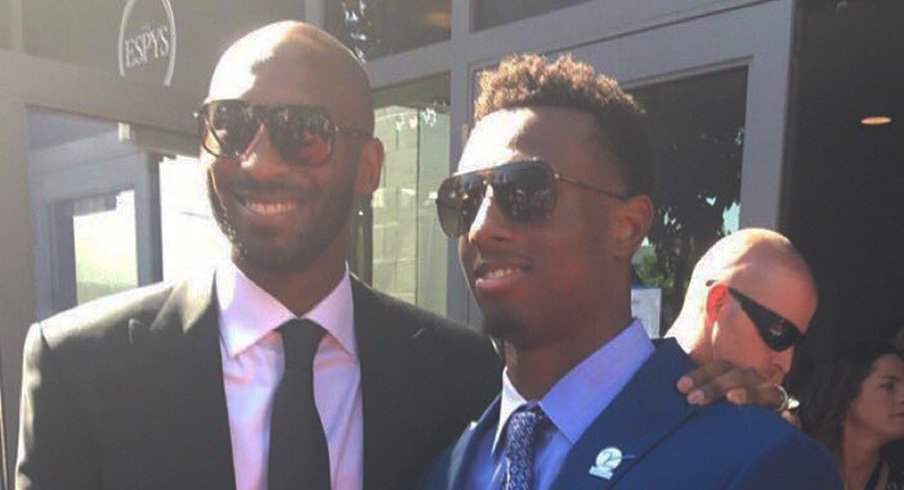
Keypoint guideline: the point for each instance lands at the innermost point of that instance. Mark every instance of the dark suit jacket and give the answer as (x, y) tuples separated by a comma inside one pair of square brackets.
[(667, 443), (127, 392)]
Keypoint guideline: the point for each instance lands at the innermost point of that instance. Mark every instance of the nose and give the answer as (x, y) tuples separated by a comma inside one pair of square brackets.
[(261, 159), (490, 226), (780, 363)]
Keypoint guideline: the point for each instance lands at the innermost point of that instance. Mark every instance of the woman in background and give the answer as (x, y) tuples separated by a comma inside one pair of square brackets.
[(857, 412)]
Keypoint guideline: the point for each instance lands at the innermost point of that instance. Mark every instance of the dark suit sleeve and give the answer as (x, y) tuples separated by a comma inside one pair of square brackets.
[(56, 447), (794, 462)]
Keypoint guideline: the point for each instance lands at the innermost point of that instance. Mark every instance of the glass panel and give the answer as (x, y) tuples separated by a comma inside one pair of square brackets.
[(395, 204), (5, 26), (491, 13), (845, 177), (408, 251), (90, 210), (103, 230), (192, 241), (380, 28), (697, 128)]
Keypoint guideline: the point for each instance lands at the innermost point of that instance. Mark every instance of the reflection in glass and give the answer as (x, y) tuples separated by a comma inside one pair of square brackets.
[(103, 234), (409, 249), (192, 241), (491, 13), (382, 27), (4, 25), (91, 220), (697, 130)]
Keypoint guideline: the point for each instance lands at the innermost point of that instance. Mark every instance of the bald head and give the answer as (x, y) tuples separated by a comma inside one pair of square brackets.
[(762, 265), (292, 62)]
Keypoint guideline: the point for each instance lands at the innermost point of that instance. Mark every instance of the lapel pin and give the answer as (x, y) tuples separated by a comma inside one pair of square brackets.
[(606, 462)]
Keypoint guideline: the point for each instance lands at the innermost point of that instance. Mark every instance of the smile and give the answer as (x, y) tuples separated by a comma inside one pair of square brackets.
[(500, 272), (498, 278), (269, 208)]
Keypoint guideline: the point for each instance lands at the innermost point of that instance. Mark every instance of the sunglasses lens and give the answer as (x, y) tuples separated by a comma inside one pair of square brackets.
[(302, 135), (457, 202), (524, 191), (779, 334), (227, 127)]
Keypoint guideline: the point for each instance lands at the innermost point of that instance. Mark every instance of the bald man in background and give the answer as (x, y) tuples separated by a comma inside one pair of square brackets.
[(173, 386), (749, 302)]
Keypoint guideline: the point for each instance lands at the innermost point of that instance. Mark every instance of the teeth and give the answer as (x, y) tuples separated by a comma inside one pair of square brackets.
[(498, 273), (271, 207)]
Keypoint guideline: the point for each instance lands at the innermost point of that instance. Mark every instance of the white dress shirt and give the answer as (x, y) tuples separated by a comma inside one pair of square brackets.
[(253, 365)]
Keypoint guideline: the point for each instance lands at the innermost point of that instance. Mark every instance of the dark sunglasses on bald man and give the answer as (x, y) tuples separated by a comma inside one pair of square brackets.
[(777, 332), (301, 135), (525, 192)]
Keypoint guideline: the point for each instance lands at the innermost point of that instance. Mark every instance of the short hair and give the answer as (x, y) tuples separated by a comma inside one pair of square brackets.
[(530, 80)]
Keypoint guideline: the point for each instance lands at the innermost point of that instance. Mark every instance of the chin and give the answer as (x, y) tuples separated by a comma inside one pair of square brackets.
[(501, 325)]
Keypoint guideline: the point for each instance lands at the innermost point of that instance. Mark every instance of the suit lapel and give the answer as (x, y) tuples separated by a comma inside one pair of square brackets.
[(384, 394), (464, 451), (643, 414), (177, 360)]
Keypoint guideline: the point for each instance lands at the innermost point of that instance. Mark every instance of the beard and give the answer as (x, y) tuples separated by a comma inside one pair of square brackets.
[(501, 326), (329, 219)]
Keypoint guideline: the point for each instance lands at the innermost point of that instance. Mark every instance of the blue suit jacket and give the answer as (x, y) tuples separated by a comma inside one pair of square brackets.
[(667, 443)]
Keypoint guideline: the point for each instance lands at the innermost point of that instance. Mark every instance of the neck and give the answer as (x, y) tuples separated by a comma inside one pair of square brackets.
[(687, 332), (299, 289), (859, 456), (534, 369)]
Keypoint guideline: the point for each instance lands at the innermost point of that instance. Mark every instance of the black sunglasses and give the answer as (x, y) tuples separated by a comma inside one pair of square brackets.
[(777, 332), (525, 192), (301, 135)]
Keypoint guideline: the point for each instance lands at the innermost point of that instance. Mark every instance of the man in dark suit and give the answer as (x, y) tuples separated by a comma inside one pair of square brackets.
[(550, 204), (281, 370)]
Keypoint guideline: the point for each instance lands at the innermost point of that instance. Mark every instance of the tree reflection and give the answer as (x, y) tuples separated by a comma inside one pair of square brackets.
[(697, 129)]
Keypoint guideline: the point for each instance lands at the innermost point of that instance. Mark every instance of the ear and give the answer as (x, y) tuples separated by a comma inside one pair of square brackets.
[(715, 299), (632, 222), (370, 165)]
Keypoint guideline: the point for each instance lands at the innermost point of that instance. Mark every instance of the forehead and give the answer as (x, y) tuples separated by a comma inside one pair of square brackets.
[(888, 366), (266, 80), (561, 137)]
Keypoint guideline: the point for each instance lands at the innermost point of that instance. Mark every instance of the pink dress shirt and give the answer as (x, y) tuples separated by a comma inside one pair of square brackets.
[(253, 365)]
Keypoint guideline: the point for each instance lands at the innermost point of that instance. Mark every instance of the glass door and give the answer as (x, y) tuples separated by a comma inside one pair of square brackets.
[(94, 207)]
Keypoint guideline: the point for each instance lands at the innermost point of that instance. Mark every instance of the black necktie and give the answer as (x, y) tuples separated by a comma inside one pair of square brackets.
[(299, 458)]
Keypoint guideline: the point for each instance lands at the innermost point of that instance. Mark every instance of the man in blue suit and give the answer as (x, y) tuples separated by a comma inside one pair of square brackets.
[(550, 204)]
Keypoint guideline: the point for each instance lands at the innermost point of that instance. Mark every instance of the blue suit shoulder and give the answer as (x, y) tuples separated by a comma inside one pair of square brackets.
[(759, 449)]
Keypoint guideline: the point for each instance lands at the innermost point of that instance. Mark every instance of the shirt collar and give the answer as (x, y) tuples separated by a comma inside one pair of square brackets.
[(248, 313), (577, 399)]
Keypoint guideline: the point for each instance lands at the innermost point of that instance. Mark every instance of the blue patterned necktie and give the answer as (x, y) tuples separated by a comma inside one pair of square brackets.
[(520, 438)]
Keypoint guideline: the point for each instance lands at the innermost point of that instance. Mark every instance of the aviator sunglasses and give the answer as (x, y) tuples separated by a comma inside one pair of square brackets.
[(525, 192), (776, 331), (301, 135)]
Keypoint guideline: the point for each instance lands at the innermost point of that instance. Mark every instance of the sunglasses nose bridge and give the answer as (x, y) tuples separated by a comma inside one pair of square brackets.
[(252, 146), (261, 158), (490, 224)]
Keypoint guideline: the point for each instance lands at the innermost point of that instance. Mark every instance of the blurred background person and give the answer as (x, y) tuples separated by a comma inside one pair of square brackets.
[(857, 411)]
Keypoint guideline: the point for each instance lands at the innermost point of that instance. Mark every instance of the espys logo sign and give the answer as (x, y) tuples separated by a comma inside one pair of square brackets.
[(147, 41)]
